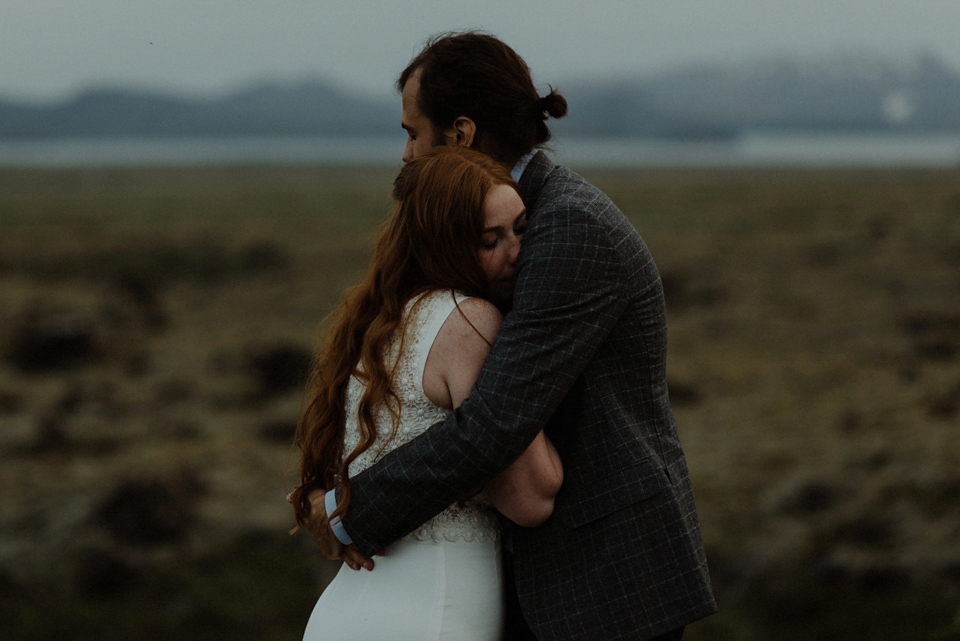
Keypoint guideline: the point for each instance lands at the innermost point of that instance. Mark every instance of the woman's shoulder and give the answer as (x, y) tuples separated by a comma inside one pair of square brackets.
[(472, 315), (453, 314), (459, 349), (448, 300)]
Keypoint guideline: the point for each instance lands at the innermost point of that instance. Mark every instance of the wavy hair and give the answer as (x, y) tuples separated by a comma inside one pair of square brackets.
[(430, 241)]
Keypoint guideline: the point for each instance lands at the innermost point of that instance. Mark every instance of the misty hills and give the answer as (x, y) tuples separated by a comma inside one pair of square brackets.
[(308, 108), (841, 92)]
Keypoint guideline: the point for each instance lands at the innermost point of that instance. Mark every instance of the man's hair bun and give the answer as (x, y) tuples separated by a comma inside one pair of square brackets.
[(553, 104)]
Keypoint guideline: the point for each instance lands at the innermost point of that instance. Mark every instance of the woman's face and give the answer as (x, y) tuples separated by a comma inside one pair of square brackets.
[(505, 220)]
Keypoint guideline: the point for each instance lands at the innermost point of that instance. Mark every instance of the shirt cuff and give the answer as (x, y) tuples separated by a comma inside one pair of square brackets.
[(330, 502)]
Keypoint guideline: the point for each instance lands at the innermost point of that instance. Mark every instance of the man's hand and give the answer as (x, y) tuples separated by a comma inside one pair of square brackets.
[(326, 541)]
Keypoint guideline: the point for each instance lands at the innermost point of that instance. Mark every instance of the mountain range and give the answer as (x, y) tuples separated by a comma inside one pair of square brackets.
[(838, 92)]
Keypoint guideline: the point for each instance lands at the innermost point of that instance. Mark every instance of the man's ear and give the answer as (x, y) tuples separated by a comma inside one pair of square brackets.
[(462, 132)]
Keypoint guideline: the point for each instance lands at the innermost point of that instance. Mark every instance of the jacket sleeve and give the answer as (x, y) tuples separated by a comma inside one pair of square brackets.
[(567, 301)]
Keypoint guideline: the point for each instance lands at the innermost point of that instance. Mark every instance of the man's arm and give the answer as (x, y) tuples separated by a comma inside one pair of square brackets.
[(565, 305)]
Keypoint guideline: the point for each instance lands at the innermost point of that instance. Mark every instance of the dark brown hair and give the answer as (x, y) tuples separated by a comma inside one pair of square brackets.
[(478, 76), (431, 241)]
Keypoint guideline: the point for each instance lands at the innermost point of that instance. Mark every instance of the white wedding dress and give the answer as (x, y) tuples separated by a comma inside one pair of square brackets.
[(442, 581)]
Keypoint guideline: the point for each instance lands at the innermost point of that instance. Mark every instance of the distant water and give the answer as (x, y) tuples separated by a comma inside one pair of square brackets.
[(750, 150)]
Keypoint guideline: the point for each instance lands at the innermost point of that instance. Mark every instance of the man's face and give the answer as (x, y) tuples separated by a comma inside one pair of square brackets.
[(422, 136)]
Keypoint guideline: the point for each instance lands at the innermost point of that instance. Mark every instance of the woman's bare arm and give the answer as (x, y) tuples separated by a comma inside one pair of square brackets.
[(525, 491)]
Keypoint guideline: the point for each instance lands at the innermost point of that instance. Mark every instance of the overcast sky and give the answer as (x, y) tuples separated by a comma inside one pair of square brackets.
[(52, 48)]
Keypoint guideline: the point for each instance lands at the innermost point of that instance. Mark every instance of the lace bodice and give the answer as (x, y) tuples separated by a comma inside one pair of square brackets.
[(475, 519)]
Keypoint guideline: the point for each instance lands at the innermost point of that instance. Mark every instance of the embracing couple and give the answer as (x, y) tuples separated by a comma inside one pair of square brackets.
[(490, 446)]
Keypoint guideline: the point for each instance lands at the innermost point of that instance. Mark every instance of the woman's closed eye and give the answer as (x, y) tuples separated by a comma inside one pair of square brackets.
[(489, 243)]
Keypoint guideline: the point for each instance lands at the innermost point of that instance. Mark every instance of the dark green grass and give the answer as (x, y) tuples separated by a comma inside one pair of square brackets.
[(813, 365)]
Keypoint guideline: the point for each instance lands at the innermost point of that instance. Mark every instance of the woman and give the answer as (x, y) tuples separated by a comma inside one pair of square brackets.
[(407, 348)]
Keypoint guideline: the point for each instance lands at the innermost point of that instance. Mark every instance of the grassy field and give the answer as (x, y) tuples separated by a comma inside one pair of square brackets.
[(154, 326)]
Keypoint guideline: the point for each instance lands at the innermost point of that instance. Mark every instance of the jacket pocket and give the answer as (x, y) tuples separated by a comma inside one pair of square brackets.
[(627, 486)]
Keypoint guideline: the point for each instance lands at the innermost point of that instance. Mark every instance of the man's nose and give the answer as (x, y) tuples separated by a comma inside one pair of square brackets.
[(407, 151)]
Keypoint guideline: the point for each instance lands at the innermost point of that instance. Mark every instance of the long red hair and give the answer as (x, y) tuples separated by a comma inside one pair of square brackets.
[(431, 241)]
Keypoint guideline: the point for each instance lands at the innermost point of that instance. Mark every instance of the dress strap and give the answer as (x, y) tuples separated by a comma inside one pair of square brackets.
[(433, 310)]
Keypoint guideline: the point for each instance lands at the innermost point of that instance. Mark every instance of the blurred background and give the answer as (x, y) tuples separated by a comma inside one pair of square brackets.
[(187, 188)]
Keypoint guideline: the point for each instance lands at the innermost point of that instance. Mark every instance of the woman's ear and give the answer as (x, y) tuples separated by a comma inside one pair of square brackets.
[(463, 131)]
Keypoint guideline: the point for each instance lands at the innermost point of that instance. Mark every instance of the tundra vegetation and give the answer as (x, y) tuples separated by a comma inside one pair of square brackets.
[(156, 327)]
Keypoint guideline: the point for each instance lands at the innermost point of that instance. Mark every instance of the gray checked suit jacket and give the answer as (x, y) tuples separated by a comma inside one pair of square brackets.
[(582, 355)]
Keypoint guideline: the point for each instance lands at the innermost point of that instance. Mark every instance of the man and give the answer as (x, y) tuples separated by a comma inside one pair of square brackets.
[(582, 355)]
